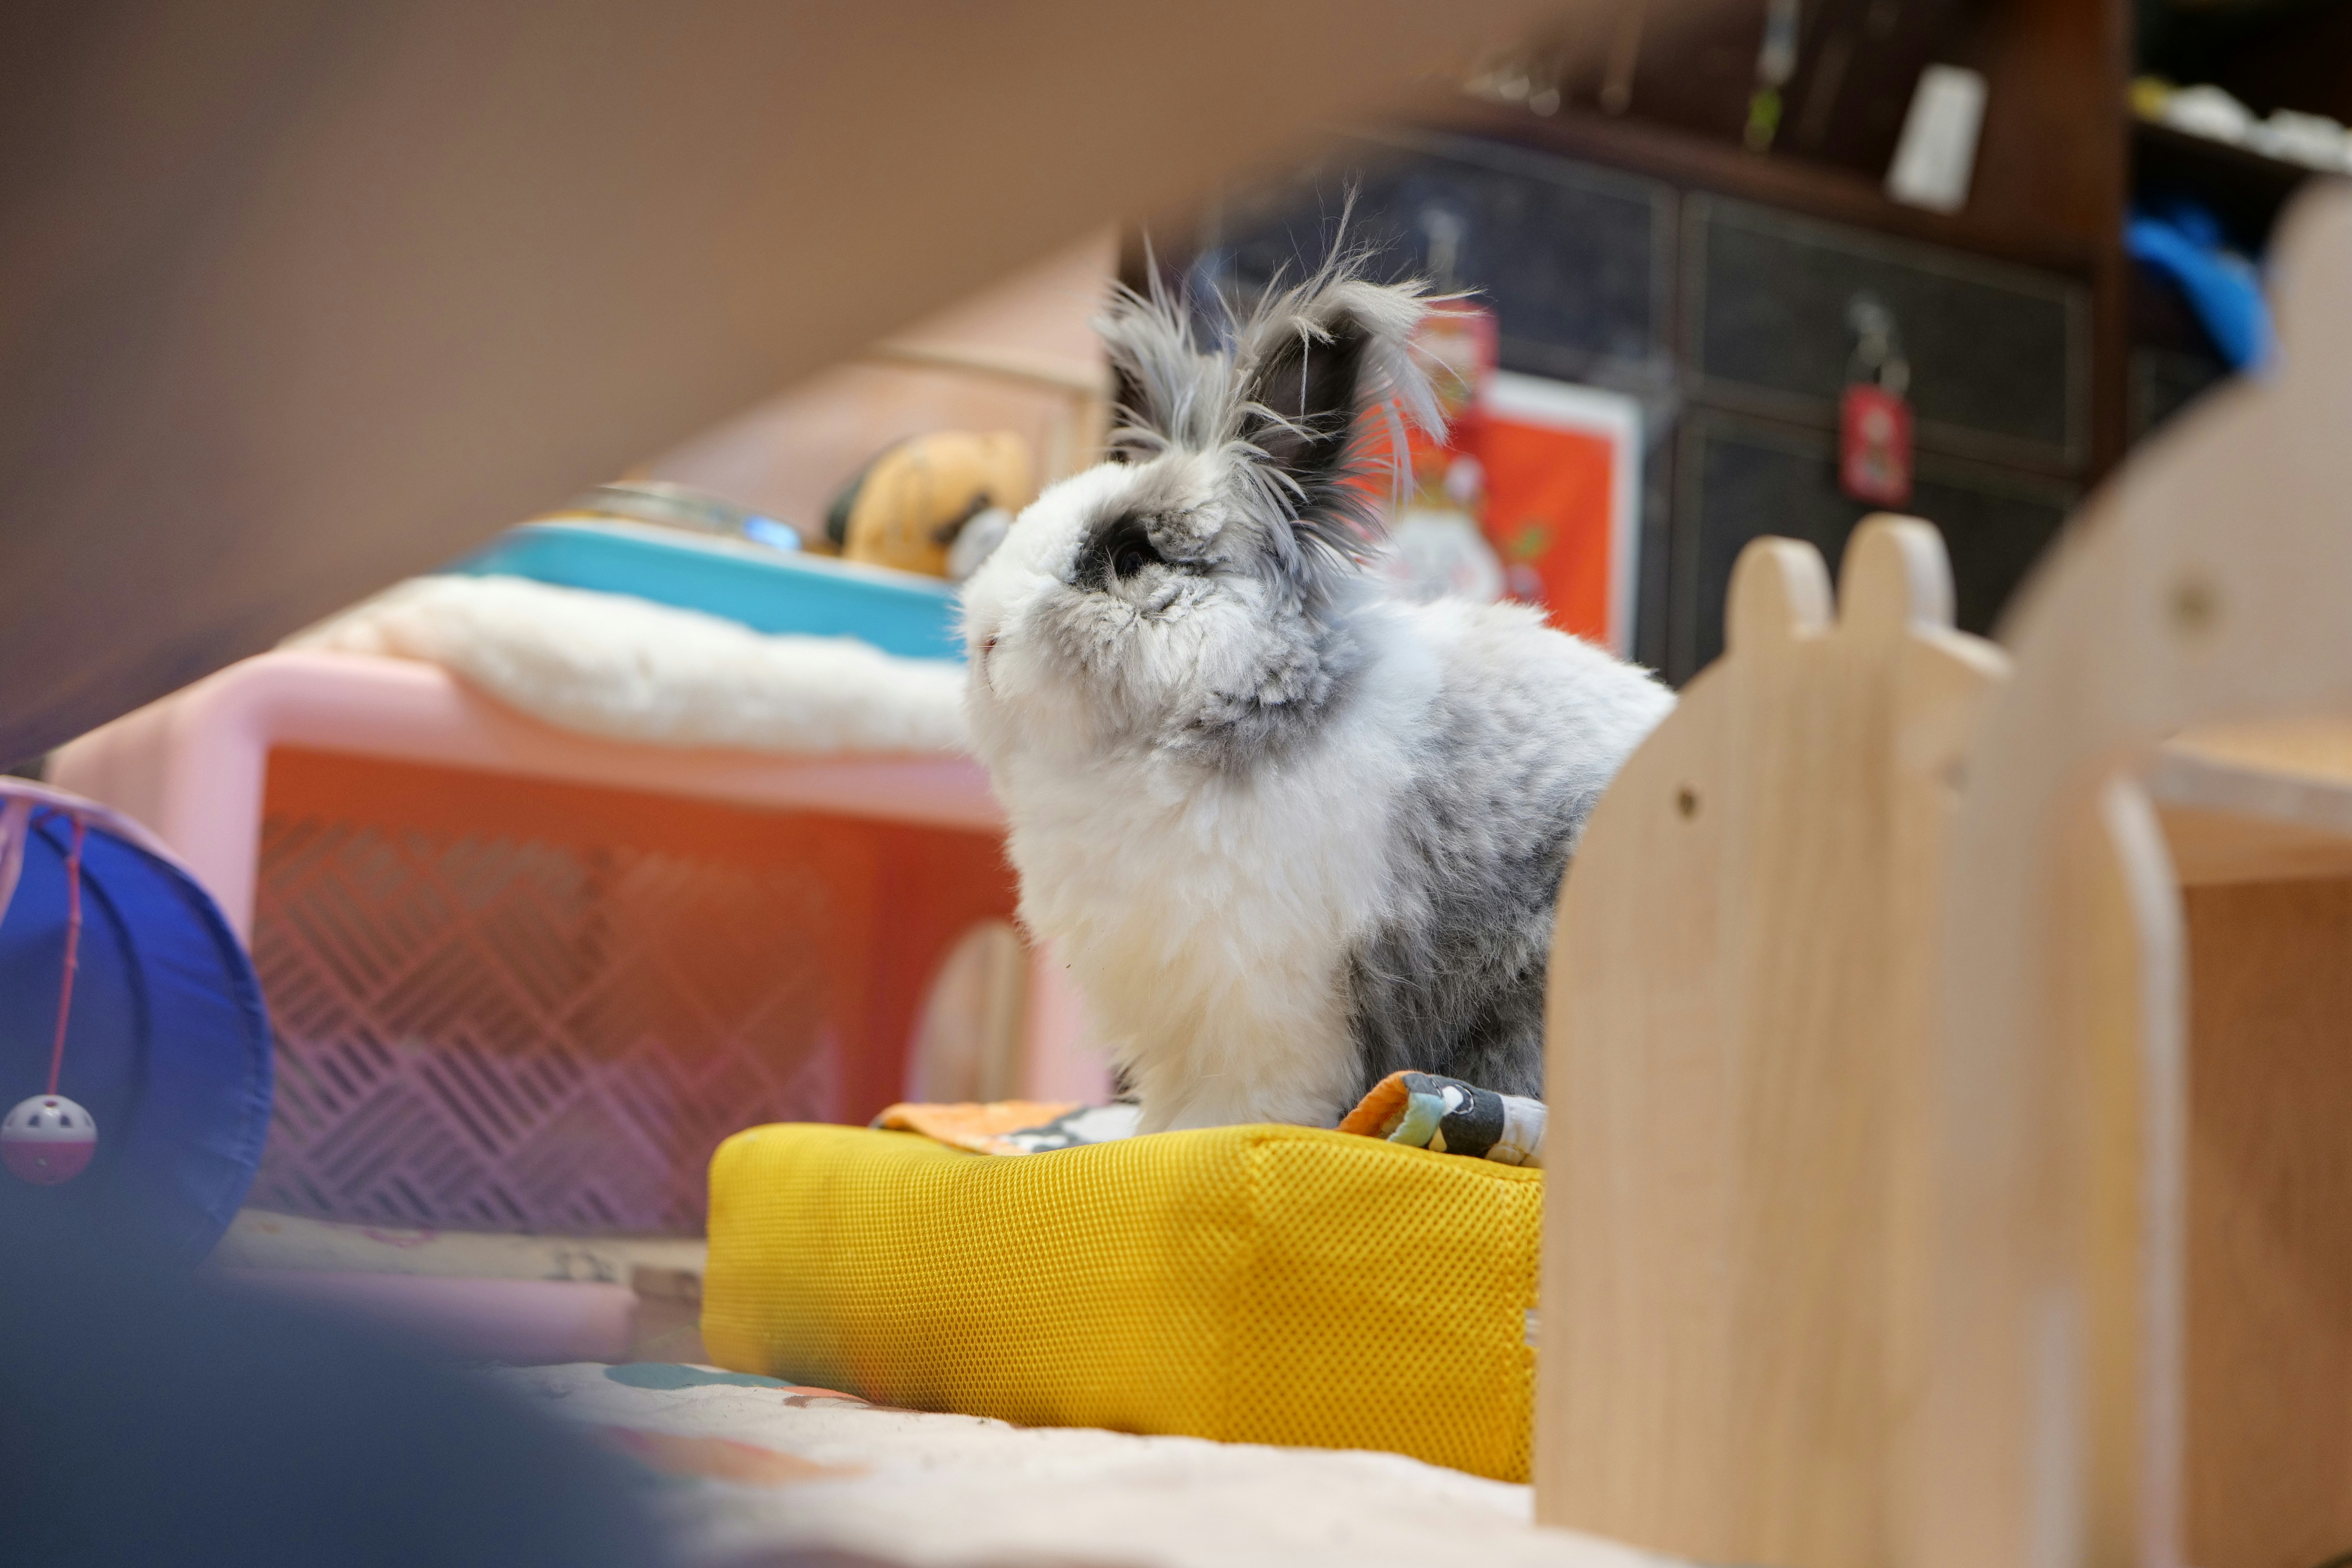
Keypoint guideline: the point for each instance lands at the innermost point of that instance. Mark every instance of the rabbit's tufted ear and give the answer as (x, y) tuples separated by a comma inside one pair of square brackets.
[(1284, 405), (1316, 359), (1171, 395)]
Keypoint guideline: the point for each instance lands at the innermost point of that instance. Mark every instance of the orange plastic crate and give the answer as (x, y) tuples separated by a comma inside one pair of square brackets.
[(513, 1004), (523, 979)]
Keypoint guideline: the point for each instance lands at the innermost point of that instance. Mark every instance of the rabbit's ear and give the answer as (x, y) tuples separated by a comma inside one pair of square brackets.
[(1283, 408), (1314, 364), (1304, 398), (1171, 395)]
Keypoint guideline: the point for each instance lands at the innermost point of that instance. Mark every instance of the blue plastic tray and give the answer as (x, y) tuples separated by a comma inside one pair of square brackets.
[(897, 612)]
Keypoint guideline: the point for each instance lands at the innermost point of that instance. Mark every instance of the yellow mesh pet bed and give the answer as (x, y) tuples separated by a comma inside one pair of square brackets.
[(1251, 1284)]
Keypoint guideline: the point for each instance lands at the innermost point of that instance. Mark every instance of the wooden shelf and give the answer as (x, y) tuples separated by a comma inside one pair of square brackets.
[(2232, 815), (2245, 189), (1799, 185)]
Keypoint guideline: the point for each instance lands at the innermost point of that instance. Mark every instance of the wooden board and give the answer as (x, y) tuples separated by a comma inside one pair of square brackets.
[(2207, 585), (1736, 1024), (2256, 803), (305, 297), (2270, 1225)]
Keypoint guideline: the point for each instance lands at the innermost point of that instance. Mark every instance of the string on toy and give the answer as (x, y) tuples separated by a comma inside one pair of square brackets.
[(73, 948)]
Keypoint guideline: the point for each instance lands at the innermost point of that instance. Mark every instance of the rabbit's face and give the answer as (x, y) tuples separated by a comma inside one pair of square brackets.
[(1149, 603), (1196, 598)]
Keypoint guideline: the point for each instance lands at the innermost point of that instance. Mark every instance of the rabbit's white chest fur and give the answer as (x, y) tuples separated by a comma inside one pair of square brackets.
[(1207, 919)]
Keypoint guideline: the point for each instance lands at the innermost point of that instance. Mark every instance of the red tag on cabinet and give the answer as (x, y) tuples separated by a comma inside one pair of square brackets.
[(1875, 445)]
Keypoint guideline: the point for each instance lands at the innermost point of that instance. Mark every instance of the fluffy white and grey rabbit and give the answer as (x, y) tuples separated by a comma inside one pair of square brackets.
[(1290, 832)]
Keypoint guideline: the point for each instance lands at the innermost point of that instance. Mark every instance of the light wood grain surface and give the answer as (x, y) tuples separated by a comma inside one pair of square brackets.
[(1737, 1012), (304, 297), (2207, 585), (2270, 1225)]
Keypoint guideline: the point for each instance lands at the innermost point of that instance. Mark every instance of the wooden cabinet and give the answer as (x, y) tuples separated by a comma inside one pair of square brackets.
[(1737, 478), (1727, 318), (1577, 261), (1998, 355), (1999, 362)]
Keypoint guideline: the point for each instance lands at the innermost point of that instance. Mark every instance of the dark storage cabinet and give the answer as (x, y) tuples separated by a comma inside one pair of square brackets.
[(1729, 321), (1577, 262), (2000, 355), (1737, 478)]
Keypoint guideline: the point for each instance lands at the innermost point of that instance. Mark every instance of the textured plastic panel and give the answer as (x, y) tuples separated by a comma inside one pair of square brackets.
[(506, 1004)]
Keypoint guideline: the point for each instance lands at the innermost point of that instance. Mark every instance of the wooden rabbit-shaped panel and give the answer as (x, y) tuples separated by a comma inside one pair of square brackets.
[(1739, 991), (2138, 1337)]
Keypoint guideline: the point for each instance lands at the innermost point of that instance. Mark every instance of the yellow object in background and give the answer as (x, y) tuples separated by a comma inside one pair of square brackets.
[(910, 503), (1282, 1285)]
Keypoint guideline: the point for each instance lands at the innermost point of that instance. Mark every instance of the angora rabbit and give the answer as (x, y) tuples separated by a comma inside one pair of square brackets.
[(1290, 833)]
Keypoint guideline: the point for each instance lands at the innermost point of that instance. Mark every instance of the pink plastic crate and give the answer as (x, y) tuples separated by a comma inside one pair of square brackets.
[(523, 979)]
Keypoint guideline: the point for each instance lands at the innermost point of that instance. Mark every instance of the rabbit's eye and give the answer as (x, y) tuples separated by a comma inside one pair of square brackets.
[(1120, 551)]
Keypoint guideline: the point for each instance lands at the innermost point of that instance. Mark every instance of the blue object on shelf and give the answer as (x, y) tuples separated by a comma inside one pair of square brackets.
[(897, 612), (2184, 241), (167, 1044)]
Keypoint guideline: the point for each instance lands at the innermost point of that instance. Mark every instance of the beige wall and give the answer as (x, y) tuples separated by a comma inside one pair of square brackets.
[(789, 455)]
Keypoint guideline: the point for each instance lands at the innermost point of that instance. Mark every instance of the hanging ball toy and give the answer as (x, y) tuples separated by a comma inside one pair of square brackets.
[(47, 1140)]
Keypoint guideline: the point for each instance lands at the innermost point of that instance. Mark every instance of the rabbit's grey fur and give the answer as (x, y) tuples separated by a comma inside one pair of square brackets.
[(1289, 832)]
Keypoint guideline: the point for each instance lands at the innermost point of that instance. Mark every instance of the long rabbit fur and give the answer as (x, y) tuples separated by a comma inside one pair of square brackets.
[(1289, 832)]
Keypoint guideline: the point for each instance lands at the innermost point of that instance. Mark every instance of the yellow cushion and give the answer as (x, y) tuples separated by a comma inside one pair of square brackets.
[(1251, 1284)]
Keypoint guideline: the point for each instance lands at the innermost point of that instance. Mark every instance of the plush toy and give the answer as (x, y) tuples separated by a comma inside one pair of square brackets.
[(911, 506)]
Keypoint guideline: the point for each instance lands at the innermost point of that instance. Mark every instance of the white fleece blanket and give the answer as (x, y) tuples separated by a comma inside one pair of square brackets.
[(750, 1469), (628, 669)]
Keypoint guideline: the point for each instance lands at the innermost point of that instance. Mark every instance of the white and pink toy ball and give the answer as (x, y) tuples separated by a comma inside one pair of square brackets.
[(47, 1140)]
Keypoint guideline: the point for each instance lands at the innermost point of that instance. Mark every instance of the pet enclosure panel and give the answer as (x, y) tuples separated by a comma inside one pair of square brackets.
[(2267, 802), (521, 1004), (1739, 1010), (2136, 1252), (2270, 1224), (2258, 817)]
